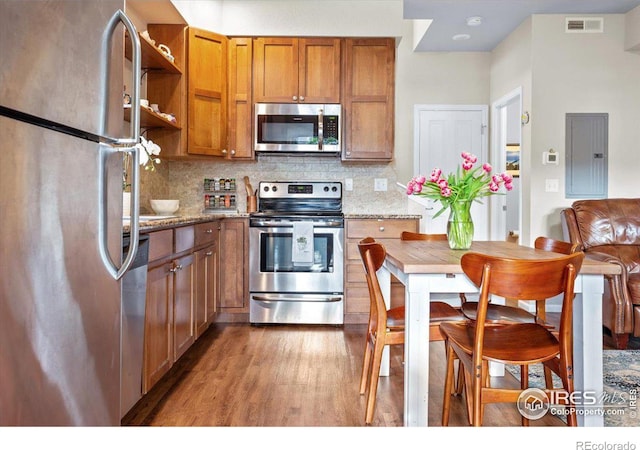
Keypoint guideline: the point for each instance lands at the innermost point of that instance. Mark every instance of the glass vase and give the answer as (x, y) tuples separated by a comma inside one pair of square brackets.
[(460, 225)]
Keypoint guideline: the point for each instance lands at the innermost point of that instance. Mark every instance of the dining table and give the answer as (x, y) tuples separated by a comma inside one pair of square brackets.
[(428, 268)]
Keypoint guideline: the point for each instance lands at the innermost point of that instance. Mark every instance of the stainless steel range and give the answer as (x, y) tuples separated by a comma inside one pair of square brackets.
[(296, 249)]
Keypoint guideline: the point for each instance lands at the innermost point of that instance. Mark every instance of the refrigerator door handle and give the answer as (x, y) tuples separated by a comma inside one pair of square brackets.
[(127, 145), (136, 69)]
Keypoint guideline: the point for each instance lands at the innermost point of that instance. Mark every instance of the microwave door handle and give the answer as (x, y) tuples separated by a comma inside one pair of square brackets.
[(320, 131)]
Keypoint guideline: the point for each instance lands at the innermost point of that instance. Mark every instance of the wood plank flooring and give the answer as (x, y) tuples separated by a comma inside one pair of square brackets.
[(243, 375)]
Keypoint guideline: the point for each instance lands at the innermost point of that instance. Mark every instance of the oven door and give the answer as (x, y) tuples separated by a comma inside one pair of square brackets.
[(271, 266)]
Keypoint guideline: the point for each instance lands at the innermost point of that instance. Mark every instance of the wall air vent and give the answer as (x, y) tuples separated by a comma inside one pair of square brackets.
[(584, 25)]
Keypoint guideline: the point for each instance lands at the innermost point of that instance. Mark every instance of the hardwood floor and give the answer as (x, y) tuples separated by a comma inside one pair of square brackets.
[(243, 375)]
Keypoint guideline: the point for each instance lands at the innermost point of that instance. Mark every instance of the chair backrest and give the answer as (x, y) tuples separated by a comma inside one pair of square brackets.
[(535, 279), (553, 245), (411, 236), (373, 254)]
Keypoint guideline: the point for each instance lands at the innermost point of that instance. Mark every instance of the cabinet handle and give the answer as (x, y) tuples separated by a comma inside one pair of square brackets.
[(348, 153), (295, 97), (209, 231), (208, 254), (224, 151), (173, 269), (381, 228), (179, 267), (301, 98), (233, 152)]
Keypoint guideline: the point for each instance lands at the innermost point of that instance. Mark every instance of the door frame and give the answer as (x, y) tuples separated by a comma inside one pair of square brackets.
[(499, 157)]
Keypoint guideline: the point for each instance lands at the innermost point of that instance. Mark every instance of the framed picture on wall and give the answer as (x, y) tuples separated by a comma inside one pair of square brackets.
[(513, 160)]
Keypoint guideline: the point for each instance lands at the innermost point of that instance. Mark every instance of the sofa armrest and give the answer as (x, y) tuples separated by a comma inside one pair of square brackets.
[(570, 230), (618, 292)]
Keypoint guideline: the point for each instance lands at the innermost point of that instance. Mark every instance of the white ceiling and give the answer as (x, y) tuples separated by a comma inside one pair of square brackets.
[(499, 18)]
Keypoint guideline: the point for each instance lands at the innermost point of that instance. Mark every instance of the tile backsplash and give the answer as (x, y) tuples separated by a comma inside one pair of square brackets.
[(184, 181)]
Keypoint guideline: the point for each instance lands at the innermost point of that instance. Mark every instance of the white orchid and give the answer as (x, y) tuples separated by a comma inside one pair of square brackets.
[(148, 152)]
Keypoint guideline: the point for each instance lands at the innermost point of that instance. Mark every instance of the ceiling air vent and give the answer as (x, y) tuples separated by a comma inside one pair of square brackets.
[(584, 25)]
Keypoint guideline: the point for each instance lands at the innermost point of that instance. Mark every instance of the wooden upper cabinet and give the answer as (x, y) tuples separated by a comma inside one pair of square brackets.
[(207, 92), (296, 70), (240, 145), (368, 99)]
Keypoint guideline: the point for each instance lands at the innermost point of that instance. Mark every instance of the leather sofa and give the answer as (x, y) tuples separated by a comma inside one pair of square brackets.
[(609, 230)]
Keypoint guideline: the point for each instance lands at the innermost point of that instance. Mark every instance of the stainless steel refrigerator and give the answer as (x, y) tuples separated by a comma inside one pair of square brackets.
[(62, 136)]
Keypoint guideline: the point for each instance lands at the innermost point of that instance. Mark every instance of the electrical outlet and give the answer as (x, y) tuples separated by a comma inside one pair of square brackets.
[(380, 184), (348, 184)]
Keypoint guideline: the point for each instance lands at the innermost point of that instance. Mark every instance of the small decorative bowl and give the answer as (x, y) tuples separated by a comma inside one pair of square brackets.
[(165, 207)]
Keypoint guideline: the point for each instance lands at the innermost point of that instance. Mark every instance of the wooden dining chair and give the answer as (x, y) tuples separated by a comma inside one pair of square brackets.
[(475, 343), (386, 326), (507, 313)]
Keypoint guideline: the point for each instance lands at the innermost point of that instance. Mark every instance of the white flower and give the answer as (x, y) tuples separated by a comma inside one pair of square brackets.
[(148, 149)]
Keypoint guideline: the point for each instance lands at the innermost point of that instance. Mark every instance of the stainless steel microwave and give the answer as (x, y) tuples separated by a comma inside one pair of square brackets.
[(297, 128)]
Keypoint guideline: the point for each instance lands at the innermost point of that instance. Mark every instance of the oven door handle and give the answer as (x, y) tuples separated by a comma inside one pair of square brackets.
[(318, 298)]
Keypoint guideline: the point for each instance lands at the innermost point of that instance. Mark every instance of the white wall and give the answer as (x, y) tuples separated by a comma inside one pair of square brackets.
[(580, 73), (511, 69)]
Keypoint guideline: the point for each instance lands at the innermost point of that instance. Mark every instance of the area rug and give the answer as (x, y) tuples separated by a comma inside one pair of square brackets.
[(621, 379)]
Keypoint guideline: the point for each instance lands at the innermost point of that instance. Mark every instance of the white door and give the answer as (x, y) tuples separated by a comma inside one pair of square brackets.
[(442, 133)]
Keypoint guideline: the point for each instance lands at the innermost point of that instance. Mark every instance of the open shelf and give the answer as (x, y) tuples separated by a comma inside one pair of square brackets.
[(152, 57), (149, 119)]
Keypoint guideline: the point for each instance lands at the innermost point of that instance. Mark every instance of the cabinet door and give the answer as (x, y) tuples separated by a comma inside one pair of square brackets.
[(368, 99), (183, 335), (233, 263), (207, 96), (319, 70), (158, 354), (240, 99), (275, 70), (206, 287)]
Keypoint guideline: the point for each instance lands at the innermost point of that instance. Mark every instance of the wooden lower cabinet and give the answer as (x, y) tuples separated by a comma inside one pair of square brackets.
[(183, 294), (158, 353), (206, 287), (168, 317), (356, 291), (234, 258), (182, 287)]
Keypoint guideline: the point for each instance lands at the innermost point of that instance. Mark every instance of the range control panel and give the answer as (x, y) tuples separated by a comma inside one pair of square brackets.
[(301, 189)]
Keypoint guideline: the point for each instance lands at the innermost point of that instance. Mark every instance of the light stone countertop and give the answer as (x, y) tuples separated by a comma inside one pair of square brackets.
[(147, 226)]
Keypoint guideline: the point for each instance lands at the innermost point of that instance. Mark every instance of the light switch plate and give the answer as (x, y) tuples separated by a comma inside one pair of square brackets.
[(551, 185), (380, 184)]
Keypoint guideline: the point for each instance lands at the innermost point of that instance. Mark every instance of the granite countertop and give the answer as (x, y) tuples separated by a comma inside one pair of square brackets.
[(381, 216), (147, 224)]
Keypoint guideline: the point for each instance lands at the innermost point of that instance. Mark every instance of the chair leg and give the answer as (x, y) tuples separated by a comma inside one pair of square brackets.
[(566, 374), (460, 380), (448, 385), (373, 381), (548, 378), (524, 384), (366, 366)]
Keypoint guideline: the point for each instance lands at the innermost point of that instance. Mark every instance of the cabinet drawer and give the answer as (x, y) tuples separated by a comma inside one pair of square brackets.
[(160, 244), (380, 228), (205, 233), (184, 239)]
